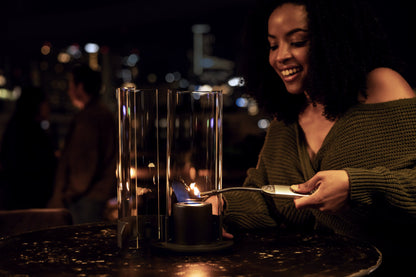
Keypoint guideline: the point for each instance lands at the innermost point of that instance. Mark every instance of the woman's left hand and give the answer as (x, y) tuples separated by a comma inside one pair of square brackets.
[(214, 202), (331, 191)]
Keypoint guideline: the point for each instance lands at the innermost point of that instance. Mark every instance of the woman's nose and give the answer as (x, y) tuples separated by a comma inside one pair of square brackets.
[(283, 54)]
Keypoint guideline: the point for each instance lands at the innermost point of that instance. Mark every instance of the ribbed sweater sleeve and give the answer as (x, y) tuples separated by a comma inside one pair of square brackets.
[(255, 210), (397, 188), (379, 155), (249, 209)]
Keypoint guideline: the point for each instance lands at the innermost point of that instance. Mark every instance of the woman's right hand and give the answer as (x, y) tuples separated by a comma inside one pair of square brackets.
[(218, 207)]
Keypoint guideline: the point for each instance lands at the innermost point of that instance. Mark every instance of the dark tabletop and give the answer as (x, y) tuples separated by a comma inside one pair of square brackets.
[(91, 250)]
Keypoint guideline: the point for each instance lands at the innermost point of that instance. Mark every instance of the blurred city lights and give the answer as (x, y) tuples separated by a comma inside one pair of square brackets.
[(91, 48), (198, 46), (93, 61), (17, 91), (204, 88), (241, 102), (10, 94), (236, 82), (177, 75), (196, 95), (44, 124), (183, 83), (3, 81), (263, 123), (170, 78), (163, 123), (4, 93), (128, 85), (45, 50), (64, 57), (126, 75), (132, 60), (253, 108), (201, 28), (74, 51)]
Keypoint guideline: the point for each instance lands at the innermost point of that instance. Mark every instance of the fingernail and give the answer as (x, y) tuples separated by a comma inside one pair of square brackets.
[(294, 187)]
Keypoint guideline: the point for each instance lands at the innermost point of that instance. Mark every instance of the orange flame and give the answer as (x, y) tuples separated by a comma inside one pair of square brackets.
[(194, 189)]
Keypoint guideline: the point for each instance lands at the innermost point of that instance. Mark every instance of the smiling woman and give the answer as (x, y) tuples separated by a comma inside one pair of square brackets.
[(338, 60), (343, 119)]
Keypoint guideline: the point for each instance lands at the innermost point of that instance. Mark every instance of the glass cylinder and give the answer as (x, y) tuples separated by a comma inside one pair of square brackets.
[(194, 164), (138, 193)]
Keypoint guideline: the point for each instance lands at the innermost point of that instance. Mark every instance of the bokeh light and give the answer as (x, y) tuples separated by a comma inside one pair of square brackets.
[(91, 48)]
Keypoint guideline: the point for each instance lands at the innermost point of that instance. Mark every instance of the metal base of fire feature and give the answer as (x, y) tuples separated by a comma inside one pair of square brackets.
[(197, 248)]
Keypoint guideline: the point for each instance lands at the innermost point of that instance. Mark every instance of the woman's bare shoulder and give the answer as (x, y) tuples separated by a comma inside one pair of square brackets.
[(385, 84)]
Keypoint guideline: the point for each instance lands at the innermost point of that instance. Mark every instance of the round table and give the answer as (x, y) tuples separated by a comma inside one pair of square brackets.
[(91, 249)]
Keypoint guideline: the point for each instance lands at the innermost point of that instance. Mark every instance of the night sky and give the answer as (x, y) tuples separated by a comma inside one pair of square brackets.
[(160, 30)]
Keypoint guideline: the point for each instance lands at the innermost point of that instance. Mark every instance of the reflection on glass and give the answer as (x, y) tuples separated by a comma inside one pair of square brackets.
[(194, 159), (138, 166)]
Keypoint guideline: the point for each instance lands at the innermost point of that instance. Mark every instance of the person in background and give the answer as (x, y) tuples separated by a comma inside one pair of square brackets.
[(344, 131), (85, 177), (27, 159)]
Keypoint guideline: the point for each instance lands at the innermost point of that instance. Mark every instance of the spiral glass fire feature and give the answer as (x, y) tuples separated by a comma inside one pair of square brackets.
[(194, 164)]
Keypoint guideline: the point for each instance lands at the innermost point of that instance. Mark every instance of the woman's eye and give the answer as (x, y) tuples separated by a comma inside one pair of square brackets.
[(273, 47), (299, 43)]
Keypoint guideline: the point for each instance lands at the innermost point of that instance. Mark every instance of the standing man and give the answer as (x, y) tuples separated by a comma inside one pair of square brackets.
[(85, 177)]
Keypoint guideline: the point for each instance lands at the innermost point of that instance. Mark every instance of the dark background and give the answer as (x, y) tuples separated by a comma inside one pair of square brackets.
[(159, 29), (160, 32)]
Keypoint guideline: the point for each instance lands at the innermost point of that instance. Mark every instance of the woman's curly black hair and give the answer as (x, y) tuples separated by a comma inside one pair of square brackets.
[(346, 43)]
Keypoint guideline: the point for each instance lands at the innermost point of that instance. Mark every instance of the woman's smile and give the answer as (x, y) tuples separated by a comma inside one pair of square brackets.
[(290, 74)]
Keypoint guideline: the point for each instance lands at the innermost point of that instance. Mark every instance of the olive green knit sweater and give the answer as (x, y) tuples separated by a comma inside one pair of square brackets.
[(374, 143)]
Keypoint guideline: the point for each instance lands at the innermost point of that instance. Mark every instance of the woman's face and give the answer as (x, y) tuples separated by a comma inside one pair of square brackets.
[(289, 45)]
